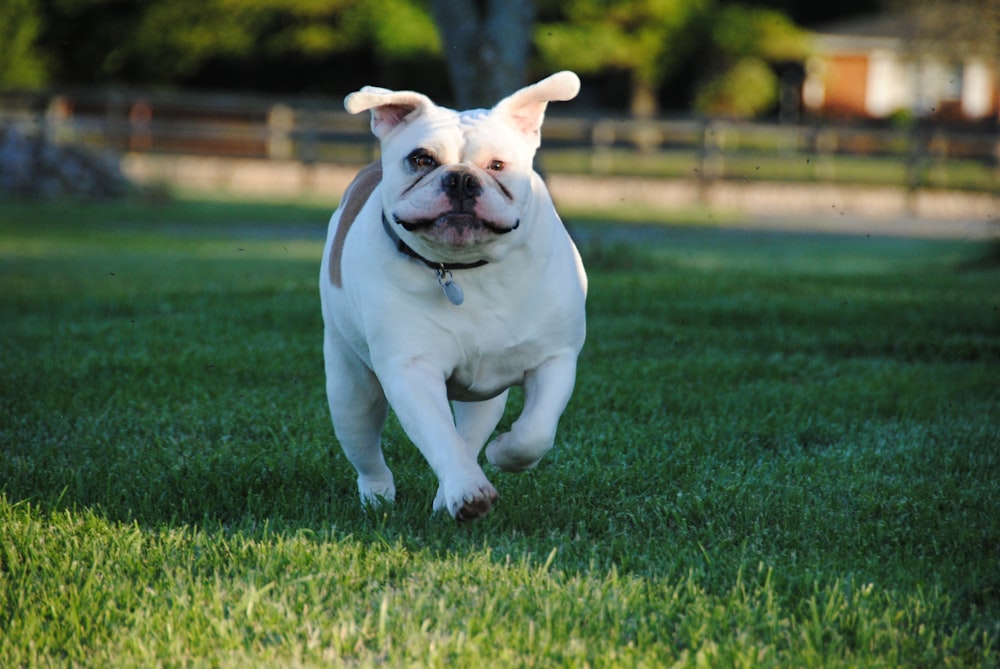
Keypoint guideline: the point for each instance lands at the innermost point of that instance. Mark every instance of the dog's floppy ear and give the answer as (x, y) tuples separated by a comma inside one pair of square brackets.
[(389, 108), (525, 109)]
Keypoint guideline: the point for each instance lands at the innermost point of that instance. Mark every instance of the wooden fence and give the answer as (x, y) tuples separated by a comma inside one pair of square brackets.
[(316, 130)]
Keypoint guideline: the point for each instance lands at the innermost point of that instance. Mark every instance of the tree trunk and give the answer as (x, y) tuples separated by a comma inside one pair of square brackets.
[(486, 45)]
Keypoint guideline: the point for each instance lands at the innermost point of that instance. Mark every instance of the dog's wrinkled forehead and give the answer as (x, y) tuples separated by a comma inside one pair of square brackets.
[(483, 127), (478, 126), (437, 125), (460, 135), (471, 117), (460, 123)]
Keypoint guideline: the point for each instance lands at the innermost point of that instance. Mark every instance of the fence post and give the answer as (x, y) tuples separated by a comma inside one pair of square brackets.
[(824, 147), (995, 172), (280, 123), (914, 167), (140, 119), (710, 158), (58, 127), (602, 135), (116, 120)]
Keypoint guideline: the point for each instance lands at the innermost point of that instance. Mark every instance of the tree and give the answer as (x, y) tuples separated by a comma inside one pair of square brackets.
[(648, 38), (743, 44), (21, 63), (169, 41), (733, 46), (486, 46), (955, 28)]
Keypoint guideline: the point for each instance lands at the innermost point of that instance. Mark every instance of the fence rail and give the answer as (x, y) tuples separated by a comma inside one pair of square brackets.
[(314, 130)]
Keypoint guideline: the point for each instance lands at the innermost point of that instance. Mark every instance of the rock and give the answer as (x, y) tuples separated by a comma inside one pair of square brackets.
[(35, 167)]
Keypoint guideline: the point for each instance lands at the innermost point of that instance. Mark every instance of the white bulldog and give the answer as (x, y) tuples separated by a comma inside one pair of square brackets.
[(448, 278)]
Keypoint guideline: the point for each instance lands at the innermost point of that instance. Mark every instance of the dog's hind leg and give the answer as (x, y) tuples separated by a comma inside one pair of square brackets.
[(358, 408)]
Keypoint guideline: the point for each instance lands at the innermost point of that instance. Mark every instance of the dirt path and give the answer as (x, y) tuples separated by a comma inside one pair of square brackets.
[(840, 208)]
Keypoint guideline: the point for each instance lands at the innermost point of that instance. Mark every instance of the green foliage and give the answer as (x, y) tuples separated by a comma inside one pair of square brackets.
[(743, 42), (781, 452), (737, 31), (746, 89), (642, 35), (402, 29), (165, 41), (22, 64), (170, 41), (649, 38)]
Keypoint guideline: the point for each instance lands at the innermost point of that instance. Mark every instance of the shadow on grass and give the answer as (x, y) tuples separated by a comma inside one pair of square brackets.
[(743, 397)]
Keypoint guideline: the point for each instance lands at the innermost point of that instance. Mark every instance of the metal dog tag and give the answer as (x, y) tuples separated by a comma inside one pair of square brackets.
[(451, 289)]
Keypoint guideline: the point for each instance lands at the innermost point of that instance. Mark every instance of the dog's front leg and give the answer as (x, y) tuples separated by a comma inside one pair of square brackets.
[(418, 396), (547, 390)]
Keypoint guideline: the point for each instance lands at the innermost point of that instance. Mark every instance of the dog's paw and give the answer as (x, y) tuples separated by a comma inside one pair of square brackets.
[(507, 455), (376, 492), (469, 503)]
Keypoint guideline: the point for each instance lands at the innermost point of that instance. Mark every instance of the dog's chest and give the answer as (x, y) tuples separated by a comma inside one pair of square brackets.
[(485, 373)]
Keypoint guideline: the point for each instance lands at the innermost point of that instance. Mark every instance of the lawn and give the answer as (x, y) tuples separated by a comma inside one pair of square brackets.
[(783, 450), (773, 165)]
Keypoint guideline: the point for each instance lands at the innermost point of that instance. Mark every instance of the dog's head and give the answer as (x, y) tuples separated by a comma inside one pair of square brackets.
[(457, 186)]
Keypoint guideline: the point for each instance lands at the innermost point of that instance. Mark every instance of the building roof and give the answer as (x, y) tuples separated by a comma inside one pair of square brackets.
[(950, 26), (871, 25)]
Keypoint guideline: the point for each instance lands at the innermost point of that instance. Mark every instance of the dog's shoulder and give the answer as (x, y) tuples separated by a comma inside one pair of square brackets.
[(357, 193)]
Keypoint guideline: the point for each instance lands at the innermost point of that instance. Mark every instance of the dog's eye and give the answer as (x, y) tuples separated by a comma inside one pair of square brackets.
[(496, 166), (421, 160)]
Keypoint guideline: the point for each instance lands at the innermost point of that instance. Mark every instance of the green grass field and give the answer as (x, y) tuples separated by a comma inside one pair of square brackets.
[(783, 450), (772, 165)]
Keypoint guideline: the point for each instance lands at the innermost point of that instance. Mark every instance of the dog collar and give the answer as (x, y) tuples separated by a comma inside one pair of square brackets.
[(443, 270)]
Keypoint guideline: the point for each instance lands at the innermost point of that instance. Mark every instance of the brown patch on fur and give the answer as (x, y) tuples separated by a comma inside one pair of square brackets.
[(354, 199)]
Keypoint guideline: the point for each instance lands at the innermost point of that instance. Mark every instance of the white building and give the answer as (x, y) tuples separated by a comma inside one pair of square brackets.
[(875, 67)]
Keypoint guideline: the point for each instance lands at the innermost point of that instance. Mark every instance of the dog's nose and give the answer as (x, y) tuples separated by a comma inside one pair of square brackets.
[(461, 186)]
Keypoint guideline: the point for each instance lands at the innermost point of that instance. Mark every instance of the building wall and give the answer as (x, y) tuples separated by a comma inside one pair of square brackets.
[(889, 85), (979, 94), (874, 78), (844, 82)]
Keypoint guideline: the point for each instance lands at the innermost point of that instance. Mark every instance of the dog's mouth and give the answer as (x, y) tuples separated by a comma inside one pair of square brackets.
[(457, 228)]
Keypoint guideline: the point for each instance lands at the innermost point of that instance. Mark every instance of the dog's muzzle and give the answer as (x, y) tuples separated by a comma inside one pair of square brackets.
[(462, 189)]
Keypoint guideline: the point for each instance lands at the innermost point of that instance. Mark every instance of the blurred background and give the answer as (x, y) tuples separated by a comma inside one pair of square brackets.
[(708, 93)]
